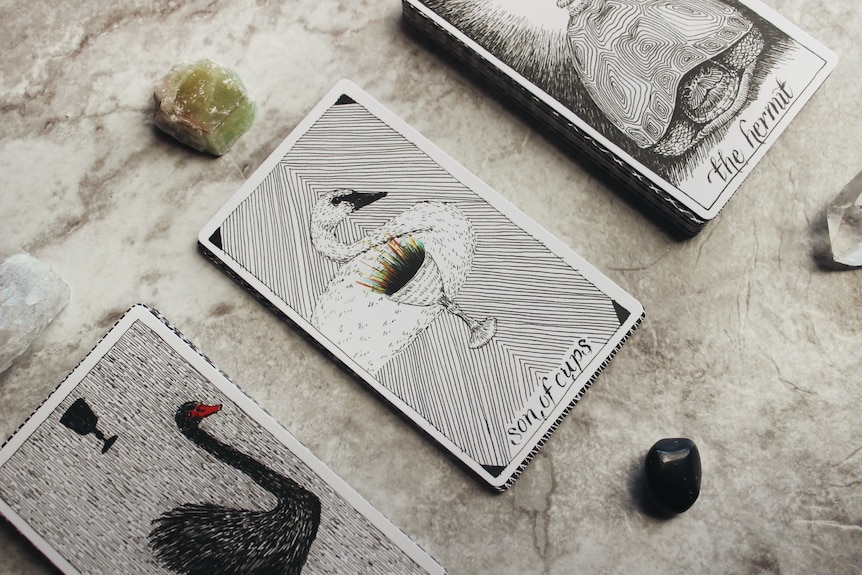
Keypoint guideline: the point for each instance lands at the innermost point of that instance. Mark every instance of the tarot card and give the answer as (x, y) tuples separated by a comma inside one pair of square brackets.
[(678, 100), (464, 314), (147, 459)]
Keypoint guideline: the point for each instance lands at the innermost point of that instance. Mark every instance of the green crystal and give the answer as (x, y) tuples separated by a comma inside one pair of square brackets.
[(203, 105)]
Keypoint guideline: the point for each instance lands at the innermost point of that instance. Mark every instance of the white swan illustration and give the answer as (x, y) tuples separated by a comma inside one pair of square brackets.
[(395, 281)]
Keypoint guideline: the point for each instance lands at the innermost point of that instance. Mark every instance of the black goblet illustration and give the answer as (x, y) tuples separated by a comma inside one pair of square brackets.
[(81, 419)]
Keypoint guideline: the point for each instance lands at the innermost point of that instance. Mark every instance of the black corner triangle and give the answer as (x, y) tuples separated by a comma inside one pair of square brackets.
[(494, 470), (215, 239), (345, 99), (622, 313)]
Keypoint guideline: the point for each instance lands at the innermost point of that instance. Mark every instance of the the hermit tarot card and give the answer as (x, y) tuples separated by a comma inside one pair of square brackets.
[(147, 459), (679, 99), (451, 304)]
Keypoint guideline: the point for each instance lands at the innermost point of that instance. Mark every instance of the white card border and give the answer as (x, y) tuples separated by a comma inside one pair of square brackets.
[(523, 456), (706, 213), (200, 363)]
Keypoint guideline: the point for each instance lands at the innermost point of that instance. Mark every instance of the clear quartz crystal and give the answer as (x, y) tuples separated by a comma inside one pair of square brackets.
[(844, 219), (31, 296)]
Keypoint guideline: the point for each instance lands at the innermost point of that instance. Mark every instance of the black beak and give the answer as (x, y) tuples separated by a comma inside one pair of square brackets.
[(359, 199)]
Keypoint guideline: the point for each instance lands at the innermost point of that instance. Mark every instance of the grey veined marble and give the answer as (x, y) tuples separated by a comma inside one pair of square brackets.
[(31, 296), (750, 346), (844, 218)]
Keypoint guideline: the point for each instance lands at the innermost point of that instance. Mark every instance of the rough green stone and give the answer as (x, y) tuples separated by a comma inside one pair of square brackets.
[(203, 105)]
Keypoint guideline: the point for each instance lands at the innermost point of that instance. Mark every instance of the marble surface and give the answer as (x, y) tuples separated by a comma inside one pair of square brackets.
[(751, 344)]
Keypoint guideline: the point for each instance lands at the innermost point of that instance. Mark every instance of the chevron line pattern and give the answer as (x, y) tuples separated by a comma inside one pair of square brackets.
[(542, 305)]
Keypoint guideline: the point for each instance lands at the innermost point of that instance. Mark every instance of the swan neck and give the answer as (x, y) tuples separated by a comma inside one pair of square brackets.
[(268, 479), (327, 244)]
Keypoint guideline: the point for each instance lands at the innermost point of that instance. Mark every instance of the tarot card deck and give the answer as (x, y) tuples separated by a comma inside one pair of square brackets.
[(452, 305), (677, 100), (147, 459)]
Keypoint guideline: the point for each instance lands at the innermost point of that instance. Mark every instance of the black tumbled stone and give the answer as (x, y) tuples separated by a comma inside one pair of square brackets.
[(672, 469)]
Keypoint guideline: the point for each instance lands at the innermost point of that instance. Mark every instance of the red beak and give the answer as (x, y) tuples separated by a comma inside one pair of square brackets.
[(200, 410)]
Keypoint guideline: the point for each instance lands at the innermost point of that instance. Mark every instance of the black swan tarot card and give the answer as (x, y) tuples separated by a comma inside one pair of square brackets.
[(148, 459), (678, 100), (452, 305)]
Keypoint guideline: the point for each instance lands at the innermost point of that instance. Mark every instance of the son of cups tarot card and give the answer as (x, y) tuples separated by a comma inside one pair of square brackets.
[(678, 99), (147, 459), (464, 314)]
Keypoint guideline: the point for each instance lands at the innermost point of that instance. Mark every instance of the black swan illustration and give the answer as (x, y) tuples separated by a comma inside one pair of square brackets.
[(202, 538)]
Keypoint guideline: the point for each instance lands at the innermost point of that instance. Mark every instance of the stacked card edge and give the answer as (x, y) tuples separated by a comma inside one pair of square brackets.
[(575, 400), (420, 18)]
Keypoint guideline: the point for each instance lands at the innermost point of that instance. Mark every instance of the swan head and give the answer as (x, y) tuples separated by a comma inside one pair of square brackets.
[(191, 413), (335, 205)]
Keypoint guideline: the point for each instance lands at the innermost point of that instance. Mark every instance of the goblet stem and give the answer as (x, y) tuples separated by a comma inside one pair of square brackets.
[(108, 443), (480, 332)]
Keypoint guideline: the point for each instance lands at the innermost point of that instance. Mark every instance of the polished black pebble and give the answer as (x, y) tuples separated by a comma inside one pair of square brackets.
[(672, 470)]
